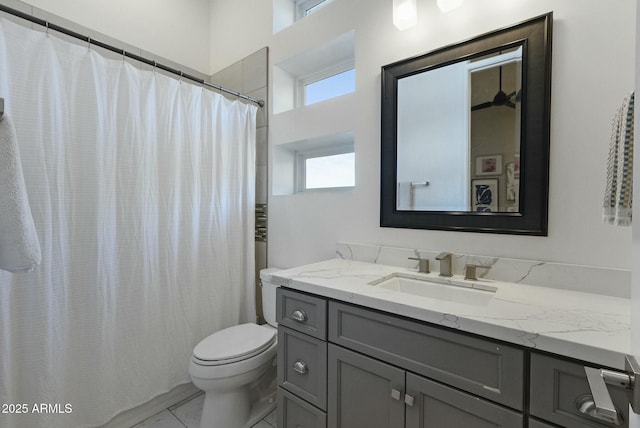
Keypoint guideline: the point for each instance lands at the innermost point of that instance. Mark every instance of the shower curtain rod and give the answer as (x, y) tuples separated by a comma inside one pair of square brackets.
[(125, 53)]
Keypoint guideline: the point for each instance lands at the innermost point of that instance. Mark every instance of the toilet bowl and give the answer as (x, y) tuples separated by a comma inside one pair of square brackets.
[(235, 367)]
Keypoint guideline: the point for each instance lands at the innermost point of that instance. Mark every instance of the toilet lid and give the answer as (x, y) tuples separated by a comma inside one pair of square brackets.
[(235, 343)]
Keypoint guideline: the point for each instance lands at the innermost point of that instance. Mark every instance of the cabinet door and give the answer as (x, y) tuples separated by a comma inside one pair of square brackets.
[(363, 392), (432, 404), (533, 423)]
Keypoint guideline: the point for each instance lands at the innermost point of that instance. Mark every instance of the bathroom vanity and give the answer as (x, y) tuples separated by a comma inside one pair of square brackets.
[(354, 351)]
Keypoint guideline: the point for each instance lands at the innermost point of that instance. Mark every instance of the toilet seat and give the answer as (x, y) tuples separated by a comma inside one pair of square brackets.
[(234, 344)]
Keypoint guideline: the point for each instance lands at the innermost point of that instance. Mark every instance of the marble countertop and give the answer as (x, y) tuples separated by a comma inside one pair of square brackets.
[(584, 326)]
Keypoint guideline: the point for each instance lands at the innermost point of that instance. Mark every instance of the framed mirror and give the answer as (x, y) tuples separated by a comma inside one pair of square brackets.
[(465, 134)]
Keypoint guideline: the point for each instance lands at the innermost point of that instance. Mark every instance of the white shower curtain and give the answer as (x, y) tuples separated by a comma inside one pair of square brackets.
[(142, 192)]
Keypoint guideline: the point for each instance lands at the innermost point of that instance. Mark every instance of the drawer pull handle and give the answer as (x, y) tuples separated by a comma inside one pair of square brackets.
[(587, 406), (395, 394), (300, 367), (408, 400), (299, 315)]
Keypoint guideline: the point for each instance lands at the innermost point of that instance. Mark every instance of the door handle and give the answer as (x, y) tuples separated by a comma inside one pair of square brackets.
[(395, 394), (408, 400)]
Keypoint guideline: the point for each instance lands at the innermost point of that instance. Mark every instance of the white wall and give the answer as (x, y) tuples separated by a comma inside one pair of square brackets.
[(593, 69), (238, 28), (174, 29)]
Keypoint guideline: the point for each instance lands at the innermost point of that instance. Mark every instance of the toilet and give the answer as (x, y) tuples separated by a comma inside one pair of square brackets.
[(236, 368)]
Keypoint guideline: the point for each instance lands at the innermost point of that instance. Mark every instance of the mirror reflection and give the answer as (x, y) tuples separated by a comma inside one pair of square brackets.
[(458, 149), (465, 134)]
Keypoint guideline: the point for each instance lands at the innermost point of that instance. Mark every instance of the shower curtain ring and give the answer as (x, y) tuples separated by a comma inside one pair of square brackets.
[(88, 43), (46, 26)]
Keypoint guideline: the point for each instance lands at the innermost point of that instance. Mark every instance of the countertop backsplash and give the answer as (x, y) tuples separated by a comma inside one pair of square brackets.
[(586, 279)]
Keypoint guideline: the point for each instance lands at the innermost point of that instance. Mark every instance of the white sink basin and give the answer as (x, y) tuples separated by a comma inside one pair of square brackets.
[(467, 292)]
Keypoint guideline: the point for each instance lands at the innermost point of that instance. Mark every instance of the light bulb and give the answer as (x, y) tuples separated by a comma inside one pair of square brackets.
[(405, 14)]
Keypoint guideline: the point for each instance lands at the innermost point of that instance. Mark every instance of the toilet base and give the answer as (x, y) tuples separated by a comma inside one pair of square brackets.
[(226, 410), (261, 409), (241, 407), (231, 410)]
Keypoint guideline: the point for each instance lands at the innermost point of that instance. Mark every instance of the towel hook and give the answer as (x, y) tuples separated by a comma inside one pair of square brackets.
[(1, 107)]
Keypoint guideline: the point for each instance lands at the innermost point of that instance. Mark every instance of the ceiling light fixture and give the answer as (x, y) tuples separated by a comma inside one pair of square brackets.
[(405, 14), (448, 5)]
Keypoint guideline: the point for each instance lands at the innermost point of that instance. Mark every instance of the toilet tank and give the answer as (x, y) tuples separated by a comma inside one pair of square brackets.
[(268, 295)]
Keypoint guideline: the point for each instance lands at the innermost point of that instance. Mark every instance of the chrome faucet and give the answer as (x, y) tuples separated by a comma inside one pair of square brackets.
[(423, 264), (445, 259), (470, 271)]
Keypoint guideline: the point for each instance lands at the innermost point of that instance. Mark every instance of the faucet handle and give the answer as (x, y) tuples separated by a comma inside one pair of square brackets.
[(423, 264), (470, 271)]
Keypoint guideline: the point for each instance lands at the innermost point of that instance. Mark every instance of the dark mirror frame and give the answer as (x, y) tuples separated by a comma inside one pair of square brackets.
[(535, 37)]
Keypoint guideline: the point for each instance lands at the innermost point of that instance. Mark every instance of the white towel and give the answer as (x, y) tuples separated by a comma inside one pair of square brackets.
[(19, 245), (619, 187)]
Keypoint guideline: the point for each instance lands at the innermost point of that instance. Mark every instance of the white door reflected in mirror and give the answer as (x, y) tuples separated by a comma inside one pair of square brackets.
[(459, 130)]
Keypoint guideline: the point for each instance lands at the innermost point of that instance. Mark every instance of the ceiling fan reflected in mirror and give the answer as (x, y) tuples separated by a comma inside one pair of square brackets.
[(500, 99)]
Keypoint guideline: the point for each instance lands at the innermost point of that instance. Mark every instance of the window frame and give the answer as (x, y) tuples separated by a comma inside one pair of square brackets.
[(304, 6), (300, 166), (326, 73)]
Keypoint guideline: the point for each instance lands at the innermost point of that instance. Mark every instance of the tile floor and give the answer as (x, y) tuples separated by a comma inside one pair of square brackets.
[(186, 414)]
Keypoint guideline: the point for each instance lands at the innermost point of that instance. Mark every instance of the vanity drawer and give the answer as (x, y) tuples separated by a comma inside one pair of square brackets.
[(296, 413), (302, 366), (302, 312), (488, 369), (557, 385)]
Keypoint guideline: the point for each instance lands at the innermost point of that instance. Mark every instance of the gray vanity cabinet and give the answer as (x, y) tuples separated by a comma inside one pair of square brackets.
[(363, 392), (368, 393), (401, 381), (484, 368), (346, 366), (302, 360)]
